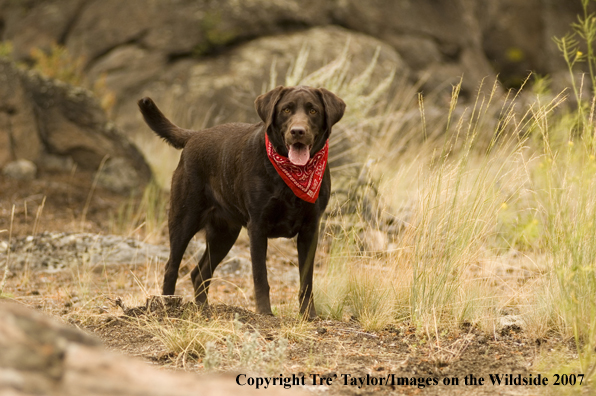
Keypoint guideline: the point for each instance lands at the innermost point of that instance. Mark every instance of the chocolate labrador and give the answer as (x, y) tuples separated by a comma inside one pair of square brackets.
[(271, 177)]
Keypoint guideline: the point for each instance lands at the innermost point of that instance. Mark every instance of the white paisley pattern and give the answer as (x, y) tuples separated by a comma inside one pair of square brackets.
[(305, 181)]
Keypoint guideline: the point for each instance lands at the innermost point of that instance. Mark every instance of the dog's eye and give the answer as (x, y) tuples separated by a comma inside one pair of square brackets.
[(287, 110), (313, 111)]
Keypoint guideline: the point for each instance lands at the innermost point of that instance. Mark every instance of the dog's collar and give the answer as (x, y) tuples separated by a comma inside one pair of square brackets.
[(305, 181)]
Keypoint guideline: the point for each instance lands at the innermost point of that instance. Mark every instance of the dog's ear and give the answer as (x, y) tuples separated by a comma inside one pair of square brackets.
[(265, 104), (334, 107)]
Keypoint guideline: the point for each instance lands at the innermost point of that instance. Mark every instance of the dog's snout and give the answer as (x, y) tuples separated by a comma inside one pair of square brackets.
[(297, 131)]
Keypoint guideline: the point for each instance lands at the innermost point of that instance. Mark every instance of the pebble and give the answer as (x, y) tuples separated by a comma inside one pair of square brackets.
[(20, 170)]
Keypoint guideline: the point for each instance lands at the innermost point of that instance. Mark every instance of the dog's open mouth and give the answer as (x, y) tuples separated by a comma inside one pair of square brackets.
[(299, 153)]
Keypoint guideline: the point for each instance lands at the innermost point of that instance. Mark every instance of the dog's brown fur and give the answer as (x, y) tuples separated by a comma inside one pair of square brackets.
[(225, 181)]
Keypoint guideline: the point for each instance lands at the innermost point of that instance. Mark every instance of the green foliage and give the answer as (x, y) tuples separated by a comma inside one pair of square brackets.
[(6, 49), (519, 228), (566, 192), (214, 32), (58, 63)]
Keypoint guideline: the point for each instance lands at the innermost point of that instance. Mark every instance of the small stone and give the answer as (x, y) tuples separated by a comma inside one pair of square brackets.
[(20, 170), (56, 163), (118, 176)]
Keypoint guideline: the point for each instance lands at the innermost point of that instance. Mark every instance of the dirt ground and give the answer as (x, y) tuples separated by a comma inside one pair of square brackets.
[(337, 354)]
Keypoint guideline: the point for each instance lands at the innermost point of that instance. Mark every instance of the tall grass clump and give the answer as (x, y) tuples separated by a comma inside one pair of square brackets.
[(569, 200), (444, 180), (461, 186), (567, 193), (146, 218), (217, 342), (499, 178)]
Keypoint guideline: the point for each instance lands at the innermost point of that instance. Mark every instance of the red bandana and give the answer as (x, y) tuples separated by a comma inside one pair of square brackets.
[(305, 181)]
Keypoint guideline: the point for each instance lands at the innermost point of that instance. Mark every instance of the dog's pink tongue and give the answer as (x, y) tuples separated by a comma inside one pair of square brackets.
[(298, 154)]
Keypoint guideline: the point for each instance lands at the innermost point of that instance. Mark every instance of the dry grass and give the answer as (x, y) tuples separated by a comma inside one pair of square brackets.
[(475, 187), (497, 202)]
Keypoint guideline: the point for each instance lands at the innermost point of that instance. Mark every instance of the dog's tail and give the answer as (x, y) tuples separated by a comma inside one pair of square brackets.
[(175, 136)]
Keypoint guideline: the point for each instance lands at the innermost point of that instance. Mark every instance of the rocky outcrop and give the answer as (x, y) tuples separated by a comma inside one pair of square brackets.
[(205, 61), (217, 89), (55, 125), (43, 357), (199, 51), (57, 251), (517, 36)]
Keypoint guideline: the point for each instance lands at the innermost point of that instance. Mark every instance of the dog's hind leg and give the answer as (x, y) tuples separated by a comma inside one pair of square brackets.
[(183, 224), (181, 232), (219, 240)]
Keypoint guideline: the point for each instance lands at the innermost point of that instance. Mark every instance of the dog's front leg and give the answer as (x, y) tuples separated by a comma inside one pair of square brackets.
[(258, 255), (307, 247)]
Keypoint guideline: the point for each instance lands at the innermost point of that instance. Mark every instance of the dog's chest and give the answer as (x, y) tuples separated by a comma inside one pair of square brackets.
[(285, 218)]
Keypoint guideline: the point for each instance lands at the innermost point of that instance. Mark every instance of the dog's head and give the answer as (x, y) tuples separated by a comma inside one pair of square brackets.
[(298, 120)]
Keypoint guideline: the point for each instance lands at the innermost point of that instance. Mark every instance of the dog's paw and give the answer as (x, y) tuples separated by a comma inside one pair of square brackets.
[(264, 312), (309, 314)]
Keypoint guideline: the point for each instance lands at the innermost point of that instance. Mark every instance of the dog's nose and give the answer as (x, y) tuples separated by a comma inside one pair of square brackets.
[(297, 131)]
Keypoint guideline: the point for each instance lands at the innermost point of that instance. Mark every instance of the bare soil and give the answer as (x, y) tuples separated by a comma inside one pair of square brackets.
[(340, 350)]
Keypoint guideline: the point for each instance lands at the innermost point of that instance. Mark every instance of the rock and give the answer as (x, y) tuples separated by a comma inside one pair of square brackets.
[(56, 163), (127, 68), (513, 39), (38, 24), (227, 85), (54, 251), (174, 50), (117, 175), (189, 54), (418, 52), (239, 266), (510, 323), (44, 357), (17, 115), (54, 124), (517, 36), (21, 170), (5, 149)]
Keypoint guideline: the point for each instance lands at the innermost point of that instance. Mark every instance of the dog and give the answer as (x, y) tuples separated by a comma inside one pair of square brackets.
[(271, 177)]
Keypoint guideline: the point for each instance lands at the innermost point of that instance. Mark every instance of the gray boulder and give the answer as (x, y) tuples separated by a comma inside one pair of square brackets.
[(223, 88), (43, 357), (52, 124)]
